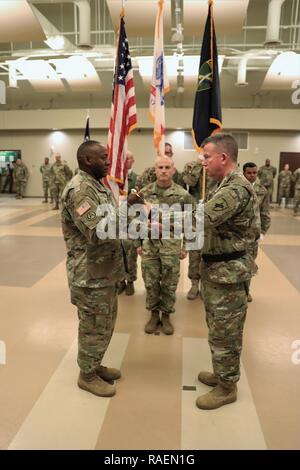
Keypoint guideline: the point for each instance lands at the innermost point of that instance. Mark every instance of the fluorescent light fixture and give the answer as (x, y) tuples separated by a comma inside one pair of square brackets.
[(284, 70)]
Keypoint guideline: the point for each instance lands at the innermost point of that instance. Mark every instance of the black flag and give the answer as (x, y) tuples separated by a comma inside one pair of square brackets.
[(207, 108), (87, 130)]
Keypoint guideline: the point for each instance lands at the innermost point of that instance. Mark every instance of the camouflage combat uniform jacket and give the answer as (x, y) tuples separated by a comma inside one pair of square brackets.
[(21, 173), (231, 225), (91, 262), (263, 204), (175, 194)]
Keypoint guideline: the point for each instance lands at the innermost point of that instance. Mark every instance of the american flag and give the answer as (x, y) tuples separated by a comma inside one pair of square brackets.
[(123, 114)]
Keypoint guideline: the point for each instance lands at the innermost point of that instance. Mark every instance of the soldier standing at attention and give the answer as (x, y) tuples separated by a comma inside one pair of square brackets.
[(21, 175), (149, 175), (45, 169), (161, 257), (94, 266), (230, 223), (284, 179), (250, 172), (296, 179), (266, 176), (60, 173)]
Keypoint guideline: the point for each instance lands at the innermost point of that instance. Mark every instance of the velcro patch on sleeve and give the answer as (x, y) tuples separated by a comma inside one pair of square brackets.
[(83, 208)]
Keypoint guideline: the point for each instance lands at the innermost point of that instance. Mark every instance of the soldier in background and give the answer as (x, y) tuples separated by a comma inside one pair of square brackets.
[(45, 170), (130, 252), (296, 180), (9, 181), (250, 172), (192, 176), (230, 222), (60, 175), (284, 180), (149, 175), (94, 266), (20, 176), (161, 257), (266, 175)]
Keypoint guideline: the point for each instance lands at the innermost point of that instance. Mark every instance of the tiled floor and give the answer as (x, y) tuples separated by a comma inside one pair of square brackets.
[(40, 404)]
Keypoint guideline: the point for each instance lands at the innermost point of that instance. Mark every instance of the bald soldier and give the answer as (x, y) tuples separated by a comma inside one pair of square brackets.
[(161, 257), (230, 223), (149, 175), (94, 266)]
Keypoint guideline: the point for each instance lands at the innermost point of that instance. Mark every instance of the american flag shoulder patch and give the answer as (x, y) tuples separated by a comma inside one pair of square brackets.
[(83, 208)]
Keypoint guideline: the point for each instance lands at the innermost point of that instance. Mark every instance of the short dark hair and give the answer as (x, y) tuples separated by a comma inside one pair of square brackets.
[(226, 142), (249, 165), (85, 148)]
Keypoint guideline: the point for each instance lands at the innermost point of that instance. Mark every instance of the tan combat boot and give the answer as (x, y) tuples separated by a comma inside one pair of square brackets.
[(94, 384), (129, 288), (153, 323), (194, 292), (221, 395), (249, 298), (208, 378), (167, 326), (121, 287), (108, 373)]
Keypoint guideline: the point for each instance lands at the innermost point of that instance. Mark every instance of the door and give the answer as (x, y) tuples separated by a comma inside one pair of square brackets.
[(293, 159)]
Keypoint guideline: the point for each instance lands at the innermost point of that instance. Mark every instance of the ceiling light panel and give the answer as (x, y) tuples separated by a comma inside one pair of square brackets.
[(140, 16), (40, 74), (78, 72), (284, 70), (18, 23)]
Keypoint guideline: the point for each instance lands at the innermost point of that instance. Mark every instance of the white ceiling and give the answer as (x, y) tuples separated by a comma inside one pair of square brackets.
[(240, 28)]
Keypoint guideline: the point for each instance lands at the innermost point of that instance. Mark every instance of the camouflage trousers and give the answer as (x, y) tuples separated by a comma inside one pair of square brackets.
[(161, 275), (131, 260), (296, 200), (283, 191), (194, 265), (20, 187), (270, 192), (226, 308), (253, 250), (46, 186), (57, 191), (97, 313)]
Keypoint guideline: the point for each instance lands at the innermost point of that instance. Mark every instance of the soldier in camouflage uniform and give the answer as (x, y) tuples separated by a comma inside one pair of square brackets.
[(296, 180), (284, 180), (149, 175), (161, 257), (20, 175), (94, 266), (129, 248), (230, 226), (60, 174), (45, 169), (266, 175), (192, 176), (250, 172)]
